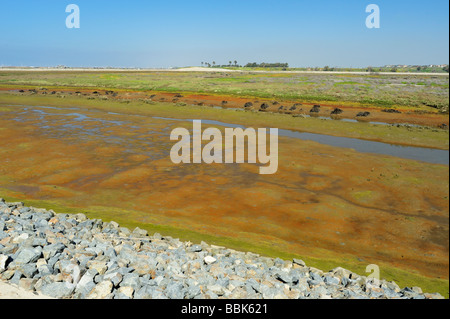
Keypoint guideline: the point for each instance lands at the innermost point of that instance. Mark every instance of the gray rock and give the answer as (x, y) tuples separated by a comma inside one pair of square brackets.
[(253, 286), (268, 292), (318, 292), (173, 267), (9, 249), (283, 277), (393, 286), (175, 290), (8, 274), (42, 223), (124, 293), (195, 248), (315, 276), (341, 272), (58, 290), (128, 254), (87, 277), (209, 260), (115, 278), (98, 265), (122, 296), (125, 270), (217, 290), (113, 265), (16, 277), (161, 282), (81, 292), (131, 280), (345, 281), (157, 236), (139, 233), (145, 292), (299, 262), (125, 232), (51, 250), (36, 241), (144, 266), (237, 283), (28, 255), (331, 280), (150, 292), (80, 217), (101, 291), (110, 252), (52, 261), (312, 283), (192, 292), (28, 270), (45, 270)]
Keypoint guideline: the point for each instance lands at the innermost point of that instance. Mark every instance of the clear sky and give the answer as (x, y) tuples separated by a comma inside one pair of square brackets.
[(168, 33)]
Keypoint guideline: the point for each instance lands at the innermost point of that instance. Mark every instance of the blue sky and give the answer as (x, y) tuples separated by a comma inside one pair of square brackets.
[(157, 33)]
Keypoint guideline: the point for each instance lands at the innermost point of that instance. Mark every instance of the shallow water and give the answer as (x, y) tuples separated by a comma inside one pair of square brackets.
[(428, 155)]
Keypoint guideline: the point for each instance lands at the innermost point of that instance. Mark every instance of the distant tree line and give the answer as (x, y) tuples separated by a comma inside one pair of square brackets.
[(248, 65), (214, 65), (370, 69), (267, 65)]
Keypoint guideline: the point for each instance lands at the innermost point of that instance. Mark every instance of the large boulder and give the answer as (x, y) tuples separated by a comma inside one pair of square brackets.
[(315, 109), (363, 114), (264, 106), (336, 111)]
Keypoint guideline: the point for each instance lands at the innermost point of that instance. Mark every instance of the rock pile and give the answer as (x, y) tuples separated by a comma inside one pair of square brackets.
[(71, 256)]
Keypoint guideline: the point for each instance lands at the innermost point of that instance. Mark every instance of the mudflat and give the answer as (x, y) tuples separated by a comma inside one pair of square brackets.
[(331, 206)]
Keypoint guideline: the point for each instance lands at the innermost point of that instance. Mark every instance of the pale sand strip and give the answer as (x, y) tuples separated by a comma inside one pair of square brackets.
[(8, 291)]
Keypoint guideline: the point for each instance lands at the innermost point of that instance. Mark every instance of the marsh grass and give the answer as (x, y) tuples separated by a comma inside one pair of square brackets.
[(369, 90)]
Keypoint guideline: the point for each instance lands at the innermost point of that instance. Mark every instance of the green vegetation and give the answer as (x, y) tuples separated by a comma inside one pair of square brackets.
[(422, 92), (370, 69)]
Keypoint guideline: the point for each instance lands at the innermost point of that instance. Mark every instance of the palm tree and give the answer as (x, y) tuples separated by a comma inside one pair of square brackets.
[(229, 63), (214, 63), (235, 62)]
